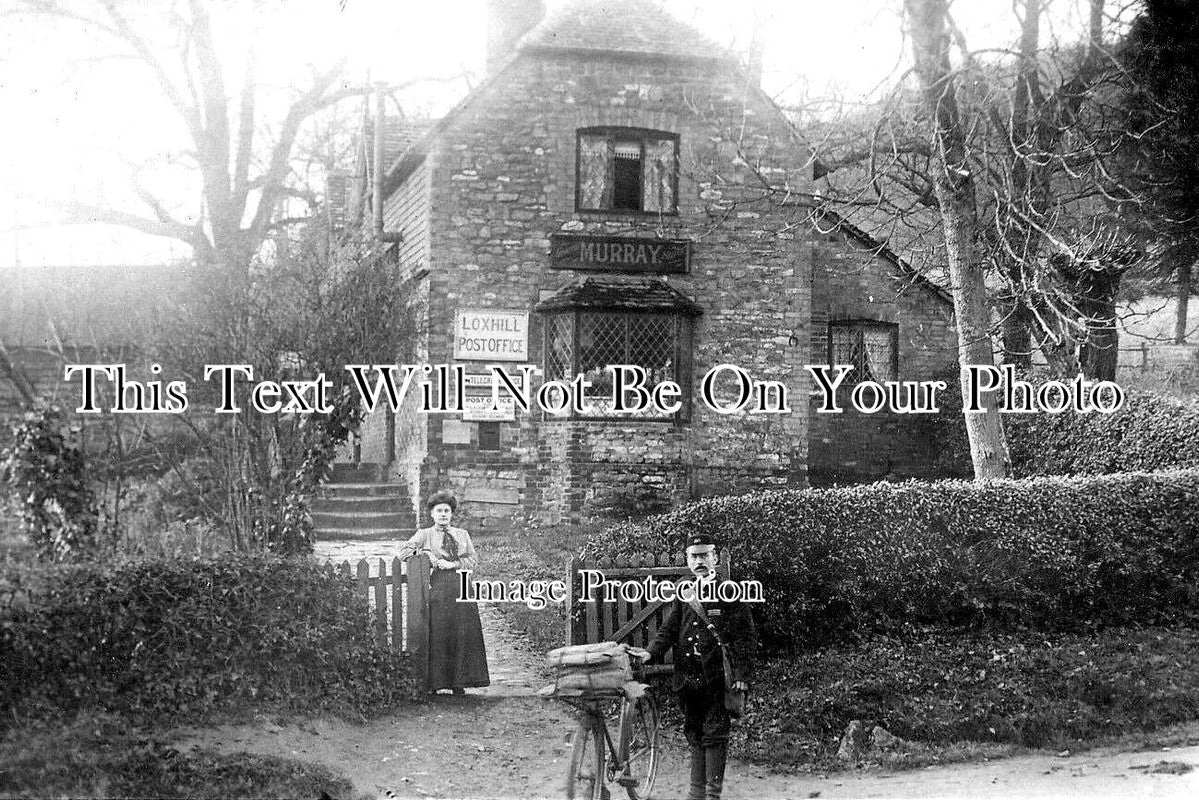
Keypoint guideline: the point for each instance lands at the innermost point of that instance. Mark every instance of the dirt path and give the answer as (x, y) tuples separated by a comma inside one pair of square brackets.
[(516, 747), (502, 742)]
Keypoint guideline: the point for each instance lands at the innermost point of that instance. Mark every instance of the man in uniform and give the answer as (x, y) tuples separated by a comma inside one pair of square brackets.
[(699, 678)]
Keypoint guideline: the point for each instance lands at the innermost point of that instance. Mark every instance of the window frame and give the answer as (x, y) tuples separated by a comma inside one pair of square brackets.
[(614, 134), (684, 332), (859, 326)]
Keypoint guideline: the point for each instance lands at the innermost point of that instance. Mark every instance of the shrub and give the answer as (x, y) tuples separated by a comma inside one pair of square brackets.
[(1047, 552), (1149, 432), (189, 636), (101, 756), (45, 470)]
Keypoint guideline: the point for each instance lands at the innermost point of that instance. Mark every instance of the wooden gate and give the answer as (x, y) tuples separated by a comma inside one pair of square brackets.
[(398, 595), (633, 622)]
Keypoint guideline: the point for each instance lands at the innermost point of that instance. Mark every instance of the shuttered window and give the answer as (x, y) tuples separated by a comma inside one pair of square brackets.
[(627, 170)]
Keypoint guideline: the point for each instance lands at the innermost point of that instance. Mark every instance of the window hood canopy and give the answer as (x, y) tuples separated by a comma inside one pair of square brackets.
[(620, 294)]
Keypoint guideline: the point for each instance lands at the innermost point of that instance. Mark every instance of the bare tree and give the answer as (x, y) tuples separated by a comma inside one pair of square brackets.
[(953, 183), (240, 136), (271, 291), (1042, 125)]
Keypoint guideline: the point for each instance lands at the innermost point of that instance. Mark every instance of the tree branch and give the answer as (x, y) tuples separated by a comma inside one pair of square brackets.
[(272, 180), (125, 31)]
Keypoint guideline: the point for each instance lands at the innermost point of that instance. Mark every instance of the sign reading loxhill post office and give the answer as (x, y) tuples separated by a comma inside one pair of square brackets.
[(487, 334), (619, 253)]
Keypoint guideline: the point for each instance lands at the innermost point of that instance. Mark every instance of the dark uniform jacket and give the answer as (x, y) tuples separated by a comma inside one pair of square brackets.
[(697, 660)]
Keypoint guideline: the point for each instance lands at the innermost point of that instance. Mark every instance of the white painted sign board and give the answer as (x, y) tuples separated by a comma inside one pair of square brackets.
[(488, 334)]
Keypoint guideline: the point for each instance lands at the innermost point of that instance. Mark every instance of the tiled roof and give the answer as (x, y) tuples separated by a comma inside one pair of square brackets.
[(620, 294), (398, 136), (833, 220), (630, 27), (87, 305), (401, 136), (637, 27)]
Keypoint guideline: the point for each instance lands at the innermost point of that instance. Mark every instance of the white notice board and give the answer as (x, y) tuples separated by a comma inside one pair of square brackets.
[(489, 334)]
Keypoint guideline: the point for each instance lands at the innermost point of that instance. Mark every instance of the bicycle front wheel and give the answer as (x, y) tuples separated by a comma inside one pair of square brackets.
[(585, 780), (639, 746)]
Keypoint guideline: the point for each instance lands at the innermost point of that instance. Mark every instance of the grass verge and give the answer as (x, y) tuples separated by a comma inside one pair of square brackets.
[(102, 756), (962, 696)]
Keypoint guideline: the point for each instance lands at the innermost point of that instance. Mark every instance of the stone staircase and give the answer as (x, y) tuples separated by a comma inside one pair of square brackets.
[(354, 505)]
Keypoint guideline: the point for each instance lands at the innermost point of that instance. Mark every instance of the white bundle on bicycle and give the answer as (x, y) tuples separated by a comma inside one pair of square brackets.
[(602, 668)]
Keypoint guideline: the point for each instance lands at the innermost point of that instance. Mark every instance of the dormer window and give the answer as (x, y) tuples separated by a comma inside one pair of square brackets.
[(627, 170)]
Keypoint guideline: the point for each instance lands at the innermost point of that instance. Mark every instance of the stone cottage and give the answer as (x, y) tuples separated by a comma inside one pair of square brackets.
[(620, 191)]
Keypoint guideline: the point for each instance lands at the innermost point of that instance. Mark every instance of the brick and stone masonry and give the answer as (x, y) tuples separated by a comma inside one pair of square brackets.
[(477, 202)]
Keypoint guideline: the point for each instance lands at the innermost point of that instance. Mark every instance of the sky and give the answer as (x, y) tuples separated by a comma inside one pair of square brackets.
[(83, 127)]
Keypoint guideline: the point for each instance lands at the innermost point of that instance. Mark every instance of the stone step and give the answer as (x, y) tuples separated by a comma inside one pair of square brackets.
[(362, 534), (355, 473), (353, 504), (364, 489), (368, 520)]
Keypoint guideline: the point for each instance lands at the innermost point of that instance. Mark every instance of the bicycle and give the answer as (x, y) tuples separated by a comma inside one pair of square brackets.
[(597, 761)]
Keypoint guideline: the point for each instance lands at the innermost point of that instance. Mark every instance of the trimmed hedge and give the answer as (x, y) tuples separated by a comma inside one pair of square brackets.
[(1149, 432), (184, 636), (1051, 553)]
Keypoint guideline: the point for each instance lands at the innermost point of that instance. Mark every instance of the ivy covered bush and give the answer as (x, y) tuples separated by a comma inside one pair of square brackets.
[(1051, 553), (1149, 432), (46, 474), (189, 636)]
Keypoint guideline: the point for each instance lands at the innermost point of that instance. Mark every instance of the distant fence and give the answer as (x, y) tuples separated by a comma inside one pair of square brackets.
[(1144, 357), (398, 595), (634, 622)]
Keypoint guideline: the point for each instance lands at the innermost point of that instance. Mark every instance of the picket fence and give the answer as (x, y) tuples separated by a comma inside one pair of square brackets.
[(397, 592)]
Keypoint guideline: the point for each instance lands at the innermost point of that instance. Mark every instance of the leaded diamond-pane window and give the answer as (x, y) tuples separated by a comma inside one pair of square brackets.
[(589, 342), (621, 169), (872, 348), (559, 345)]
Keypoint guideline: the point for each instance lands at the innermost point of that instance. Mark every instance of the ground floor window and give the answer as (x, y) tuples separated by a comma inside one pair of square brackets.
[(871, 347), (587, 342)]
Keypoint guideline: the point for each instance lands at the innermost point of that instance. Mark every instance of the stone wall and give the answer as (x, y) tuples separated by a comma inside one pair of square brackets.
[(502, 177), (498, 180), (853, 282)]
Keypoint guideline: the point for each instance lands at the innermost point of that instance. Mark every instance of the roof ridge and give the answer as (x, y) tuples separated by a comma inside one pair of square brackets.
[(642, 28)]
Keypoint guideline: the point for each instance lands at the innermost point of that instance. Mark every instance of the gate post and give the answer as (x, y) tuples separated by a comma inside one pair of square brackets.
[(572, 569), (418, 615)]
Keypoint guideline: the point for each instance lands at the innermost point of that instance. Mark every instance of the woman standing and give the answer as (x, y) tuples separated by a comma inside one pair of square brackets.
[(457, 657)]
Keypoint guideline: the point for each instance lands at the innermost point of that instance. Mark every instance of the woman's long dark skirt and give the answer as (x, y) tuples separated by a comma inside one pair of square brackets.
[(456, 653)]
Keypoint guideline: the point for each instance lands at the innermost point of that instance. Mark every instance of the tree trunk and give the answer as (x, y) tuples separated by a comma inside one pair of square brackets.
[(1021, 243), (954, 185), (1061, 356), (1099, 355), (1184, 297), (1017, 341)]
